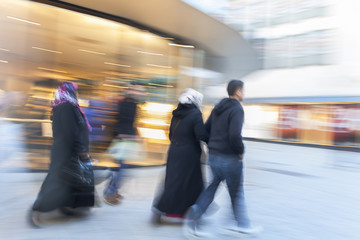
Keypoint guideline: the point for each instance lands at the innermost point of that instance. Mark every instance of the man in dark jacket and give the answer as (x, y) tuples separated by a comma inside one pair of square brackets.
[(124, 130), (226, 151)]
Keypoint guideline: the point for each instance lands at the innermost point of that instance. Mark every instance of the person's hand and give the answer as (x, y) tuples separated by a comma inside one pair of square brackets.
[(126, 136), (139, 139), (241, 156), (84, 156)]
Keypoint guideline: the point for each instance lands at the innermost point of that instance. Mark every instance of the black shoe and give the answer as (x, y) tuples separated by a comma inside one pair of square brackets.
[(33, 218), (155, 218), (75, 212), (67, 211)]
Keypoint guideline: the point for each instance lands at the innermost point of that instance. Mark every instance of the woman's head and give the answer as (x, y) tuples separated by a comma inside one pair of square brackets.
[(190, 96), (66, 92), (69, 87)]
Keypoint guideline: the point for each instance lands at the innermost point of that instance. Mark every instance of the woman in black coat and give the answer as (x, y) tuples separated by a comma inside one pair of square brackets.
[(183, 180), (71, 140)]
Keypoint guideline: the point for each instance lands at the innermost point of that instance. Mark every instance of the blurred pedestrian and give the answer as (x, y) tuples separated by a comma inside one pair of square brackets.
[(226, 151), (183, 180), (12, 145), (97, 113), (71, 142), (124, 131)]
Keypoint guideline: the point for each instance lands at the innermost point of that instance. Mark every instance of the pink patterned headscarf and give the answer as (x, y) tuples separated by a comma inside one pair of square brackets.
[(66, 92)]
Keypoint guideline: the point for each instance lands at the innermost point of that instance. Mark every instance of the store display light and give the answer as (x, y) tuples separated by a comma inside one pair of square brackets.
[(155, 122), (23, 20), (158, 107), (51, 70), (159, 66), (116, 64), (161, 85), (88, 51), (181, 45), (150, 53), (109, 85), (47, 50), (152, 133)]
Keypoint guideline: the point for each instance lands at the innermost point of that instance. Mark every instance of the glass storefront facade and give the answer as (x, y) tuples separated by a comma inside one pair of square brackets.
[(43, 45), (330, 124)]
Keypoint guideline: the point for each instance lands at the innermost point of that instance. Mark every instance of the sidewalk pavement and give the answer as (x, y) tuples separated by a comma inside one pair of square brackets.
[(295, 193)]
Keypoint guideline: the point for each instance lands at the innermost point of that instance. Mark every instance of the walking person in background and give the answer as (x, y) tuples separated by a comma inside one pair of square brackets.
[(183, 180), (226, 152), (124, 131), (11, 133), (71, 141)]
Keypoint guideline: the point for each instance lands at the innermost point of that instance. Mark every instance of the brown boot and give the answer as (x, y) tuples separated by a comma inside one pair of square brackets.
[(118, 196), (111, 200)]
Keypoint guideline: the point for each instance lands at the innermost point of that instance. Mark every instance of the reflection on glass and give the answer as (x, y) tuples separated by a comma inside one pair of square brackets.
[(46, 45)]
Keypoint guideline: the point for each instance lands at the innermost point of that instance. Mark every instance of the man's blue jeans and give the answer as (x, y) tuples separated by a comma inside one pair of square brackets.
[(228, 168), (116, 180)]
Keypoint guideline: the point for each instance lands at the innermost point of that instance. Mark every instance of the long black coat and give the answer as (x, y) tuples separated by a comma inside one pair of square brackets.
[(71, 137), (183, 180)]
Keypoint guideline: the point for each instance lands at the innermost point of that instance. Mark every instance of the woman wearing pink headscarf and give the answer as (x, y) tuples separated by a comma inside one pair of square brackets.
[(71, 140)]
